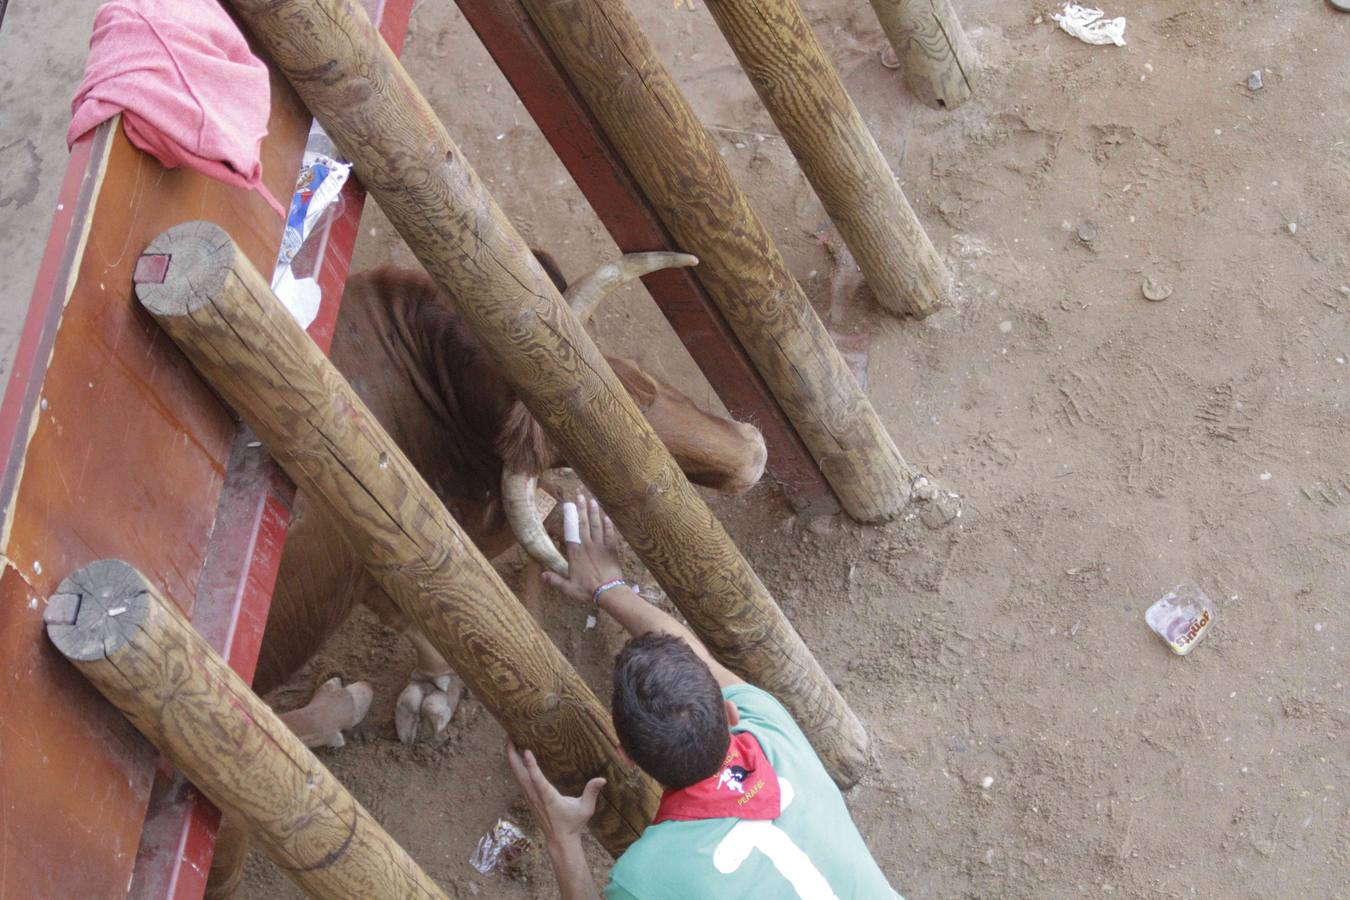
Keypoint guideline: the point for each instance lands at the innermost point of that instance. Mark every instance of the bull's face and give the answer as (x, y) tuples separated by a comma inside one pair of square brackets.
[(712, 451)]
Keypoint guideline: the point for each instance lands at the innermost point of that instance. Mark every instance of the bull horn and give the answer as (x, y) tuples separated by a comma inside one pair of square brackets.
[(586, 294), (523, 516)]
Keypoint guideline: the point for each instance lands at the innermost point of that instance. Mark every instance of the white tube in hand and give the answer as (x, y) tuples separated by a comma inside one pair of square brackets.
[(571, 529)]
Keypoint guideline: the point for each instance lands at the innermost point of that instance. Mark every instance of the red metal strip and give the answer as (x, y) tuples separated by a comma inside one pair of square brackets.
[(511, 38), (233, 596), (74, 207)]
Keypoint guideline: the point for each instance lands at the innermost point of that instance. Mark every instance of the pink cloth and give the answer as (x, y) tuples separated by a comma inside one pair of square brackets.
[(189, 89)]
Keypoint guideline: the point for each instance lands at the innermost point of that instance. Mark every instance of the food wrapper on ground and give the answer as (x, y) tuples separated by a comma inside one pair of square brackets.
[(500, 846), (1181, 617)]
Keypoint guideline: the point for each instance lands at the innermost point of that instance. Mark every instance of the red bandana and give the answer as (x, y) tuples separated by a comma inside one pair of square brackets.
[(745, 787)]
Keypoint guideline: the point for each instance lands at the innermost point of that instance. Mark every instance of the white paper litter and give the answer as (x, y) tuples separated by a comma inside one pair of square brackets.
[(1091, 25), (301, 296)]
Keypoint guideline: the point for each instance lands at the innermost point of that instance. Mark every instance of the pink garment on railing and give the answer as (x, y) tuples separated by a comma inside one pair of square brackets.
[(190, 91)]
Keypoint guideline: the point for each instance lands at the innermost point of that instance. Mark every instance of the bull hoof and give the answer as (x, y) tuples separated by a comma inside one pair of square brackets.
[(426, 707), (332, 710)]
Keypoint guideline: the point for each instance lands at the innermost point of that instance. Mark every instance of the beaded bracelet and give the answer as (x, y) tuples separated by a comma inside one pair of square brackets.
[(618, 582)]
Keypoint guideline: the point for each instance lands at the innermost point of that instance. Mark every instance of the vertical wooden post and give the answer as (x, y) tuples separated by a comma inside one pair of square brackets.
[(405, 158), (244, 343), (143, 656), (674, 160), (939, 62), (841, 159), (508, 33)]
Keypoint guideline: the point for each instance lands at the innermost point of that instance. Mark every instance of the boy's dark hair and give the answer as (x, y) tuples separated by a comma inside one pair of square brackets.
[(668, 710)]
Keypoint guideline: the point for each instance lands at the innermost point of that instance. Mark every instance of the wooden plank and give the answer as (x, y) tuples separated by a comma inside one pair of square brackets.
[(514, 43), (72, 770)]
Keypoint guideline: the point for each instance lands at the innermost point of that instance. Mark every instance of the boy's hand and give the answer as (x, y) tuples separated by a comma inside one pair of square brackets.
[(561, 818), (593, 561)]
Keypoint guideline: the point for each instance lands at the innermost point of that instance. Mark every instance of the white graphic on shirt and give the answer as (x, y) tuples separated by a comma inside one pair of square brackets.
[(791, 861), (732, 778)]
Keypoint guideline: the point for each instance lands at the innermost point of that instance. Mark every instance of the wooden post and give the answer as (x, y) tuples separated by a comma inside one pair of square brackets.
[(402, 153), (143, 656), (841, 159), (939, 62), (244, 343), (674, 160), (509, 34)]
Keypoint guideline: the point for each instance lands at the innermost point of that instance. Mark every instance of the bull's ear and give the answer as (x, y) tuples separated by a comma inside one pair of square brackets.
[(638, 383)]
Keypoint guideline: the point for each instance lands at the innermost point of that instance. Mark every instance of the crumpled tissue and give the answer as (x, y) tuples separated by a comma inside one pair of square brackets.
[(1091, 25)]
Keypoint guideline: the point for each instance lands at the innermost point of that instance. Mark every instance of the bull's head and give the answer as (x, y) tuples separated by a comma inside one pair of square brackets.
[(713, 451)]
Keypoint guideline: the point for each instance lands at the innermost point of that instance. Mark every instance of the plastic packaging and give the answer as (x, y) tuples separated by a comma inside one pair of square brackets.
[(1181, 617), (317, 187), (499, 846)]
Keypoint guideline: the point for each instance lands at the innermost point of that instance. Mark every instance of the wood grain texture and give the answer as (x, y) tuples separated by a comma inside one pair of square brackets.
[(939, 62), (144, 657), (244, 343), (822, 126), (508, 33), (675, 161), (405, 158)]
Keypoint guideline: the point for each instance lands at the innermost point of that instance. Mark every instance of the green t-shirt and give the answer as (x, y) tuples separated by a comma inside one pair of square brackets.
[(812, 850)]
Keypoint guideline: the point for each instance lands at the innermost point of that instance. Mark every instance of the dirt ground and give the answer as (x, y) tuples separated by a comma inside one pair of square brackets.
[(1106, 447)]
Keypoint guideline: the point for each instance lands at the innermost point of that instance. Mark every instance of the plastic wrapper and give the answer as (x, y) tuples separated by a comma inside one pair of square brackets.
[(317, 188), (1181, 617), (502, 844)]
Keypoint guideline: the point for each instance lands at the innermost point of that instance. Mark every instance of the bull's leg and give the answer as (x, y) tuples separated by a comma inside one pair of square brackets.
[(227, 863), (332, 710), (428, 703)]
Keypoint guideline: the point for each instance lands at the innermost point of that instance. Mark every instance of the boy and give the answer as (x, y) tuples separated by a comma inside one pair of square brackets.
[(747, 810)]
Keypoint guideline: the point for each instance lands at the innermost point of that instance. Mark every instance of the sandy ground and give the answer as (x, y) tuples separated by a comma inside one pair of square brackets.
[(42, 50), (1106, 448)]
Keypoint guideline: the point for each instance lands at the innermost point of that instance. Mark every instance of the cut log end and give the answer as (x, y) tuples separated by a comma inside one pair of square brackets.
[(97, 610), (184, 268)]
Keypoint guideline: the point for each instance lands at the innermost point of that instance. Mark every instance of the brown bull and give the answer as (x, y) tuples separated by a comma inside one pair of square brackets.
[(432, 385)]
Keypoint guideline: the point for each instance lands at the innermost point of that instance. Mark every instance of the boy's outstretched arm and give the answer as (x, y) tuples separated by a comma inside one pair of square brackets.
[(594, 561), (562, 820)]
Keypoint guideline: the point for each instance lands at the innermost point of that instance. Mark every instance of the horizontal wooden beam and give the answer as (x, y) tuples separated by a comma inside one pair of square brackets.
[(144, 657)]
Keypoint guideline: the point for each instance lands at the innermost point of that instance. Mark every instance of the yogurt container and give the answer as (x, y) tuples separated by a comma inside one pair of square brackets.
[(1181, 617)]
